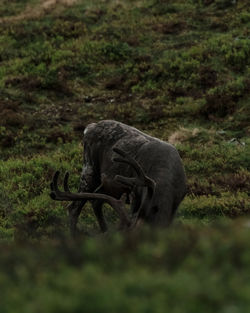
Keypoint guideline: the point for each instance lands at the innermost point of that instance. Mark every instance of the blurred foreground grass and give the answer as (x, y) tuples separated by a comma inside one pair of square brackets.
[(189, 268)]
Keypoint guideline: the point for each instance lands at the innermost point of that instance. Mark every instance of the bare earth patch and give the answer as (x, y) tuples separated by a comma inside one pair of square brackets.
[(42, 8)]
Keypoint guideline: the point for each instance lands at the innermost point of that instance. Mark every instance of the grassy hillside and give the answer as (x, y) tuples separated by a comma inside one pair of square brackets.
[(178, 70)]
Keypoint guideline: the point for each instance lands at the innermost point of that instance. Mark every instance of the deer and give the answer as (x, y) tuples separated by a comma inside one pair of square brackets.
[(125, 165)]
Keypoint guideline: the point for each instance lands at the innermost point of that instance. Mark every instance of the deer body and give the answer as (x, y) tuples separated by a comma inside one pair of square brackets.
[(154, 202)]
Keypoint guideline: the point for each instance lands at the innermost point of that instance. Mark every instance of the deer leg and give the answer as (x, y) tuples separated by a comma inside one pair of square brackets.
[(75, 207), (97, 207), (136, 207), (160, 217), (74, 210)]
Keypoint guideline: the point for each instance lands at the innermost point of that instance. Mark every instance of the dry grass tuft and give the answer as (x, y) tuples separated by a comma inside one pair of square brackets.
[(183, 134), (41, 9)]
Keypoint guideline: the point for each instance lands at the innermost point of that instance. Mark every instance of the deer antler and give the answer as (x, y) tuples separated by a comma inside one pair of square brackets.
[(117, 204), (141, 180)]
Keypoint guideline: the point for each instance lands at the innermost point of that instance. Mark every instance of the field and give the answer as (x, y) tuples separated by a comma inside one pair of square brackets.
[(178, 70)]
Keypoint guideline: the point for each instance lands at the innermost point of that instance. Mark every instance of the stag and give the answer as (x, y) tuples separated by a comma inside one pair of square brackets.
[(123, 164)]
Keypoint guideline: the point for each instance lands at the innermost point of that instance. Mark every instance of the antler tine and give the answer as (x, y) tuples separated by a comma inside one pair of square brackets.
[(65, 182), (129, 181), (117, 204), (129, 160), (55, 192), (142, 180)]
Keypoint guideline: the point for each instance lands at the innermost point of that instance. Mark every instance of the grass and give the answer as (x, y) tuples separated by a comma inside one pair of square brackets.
[(178, 70), (200, 268)]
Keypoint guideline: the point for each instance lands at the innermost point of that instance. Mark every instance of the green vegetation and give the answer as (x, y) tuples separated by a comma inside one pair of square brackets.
[(179, 70), (199, 269)]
